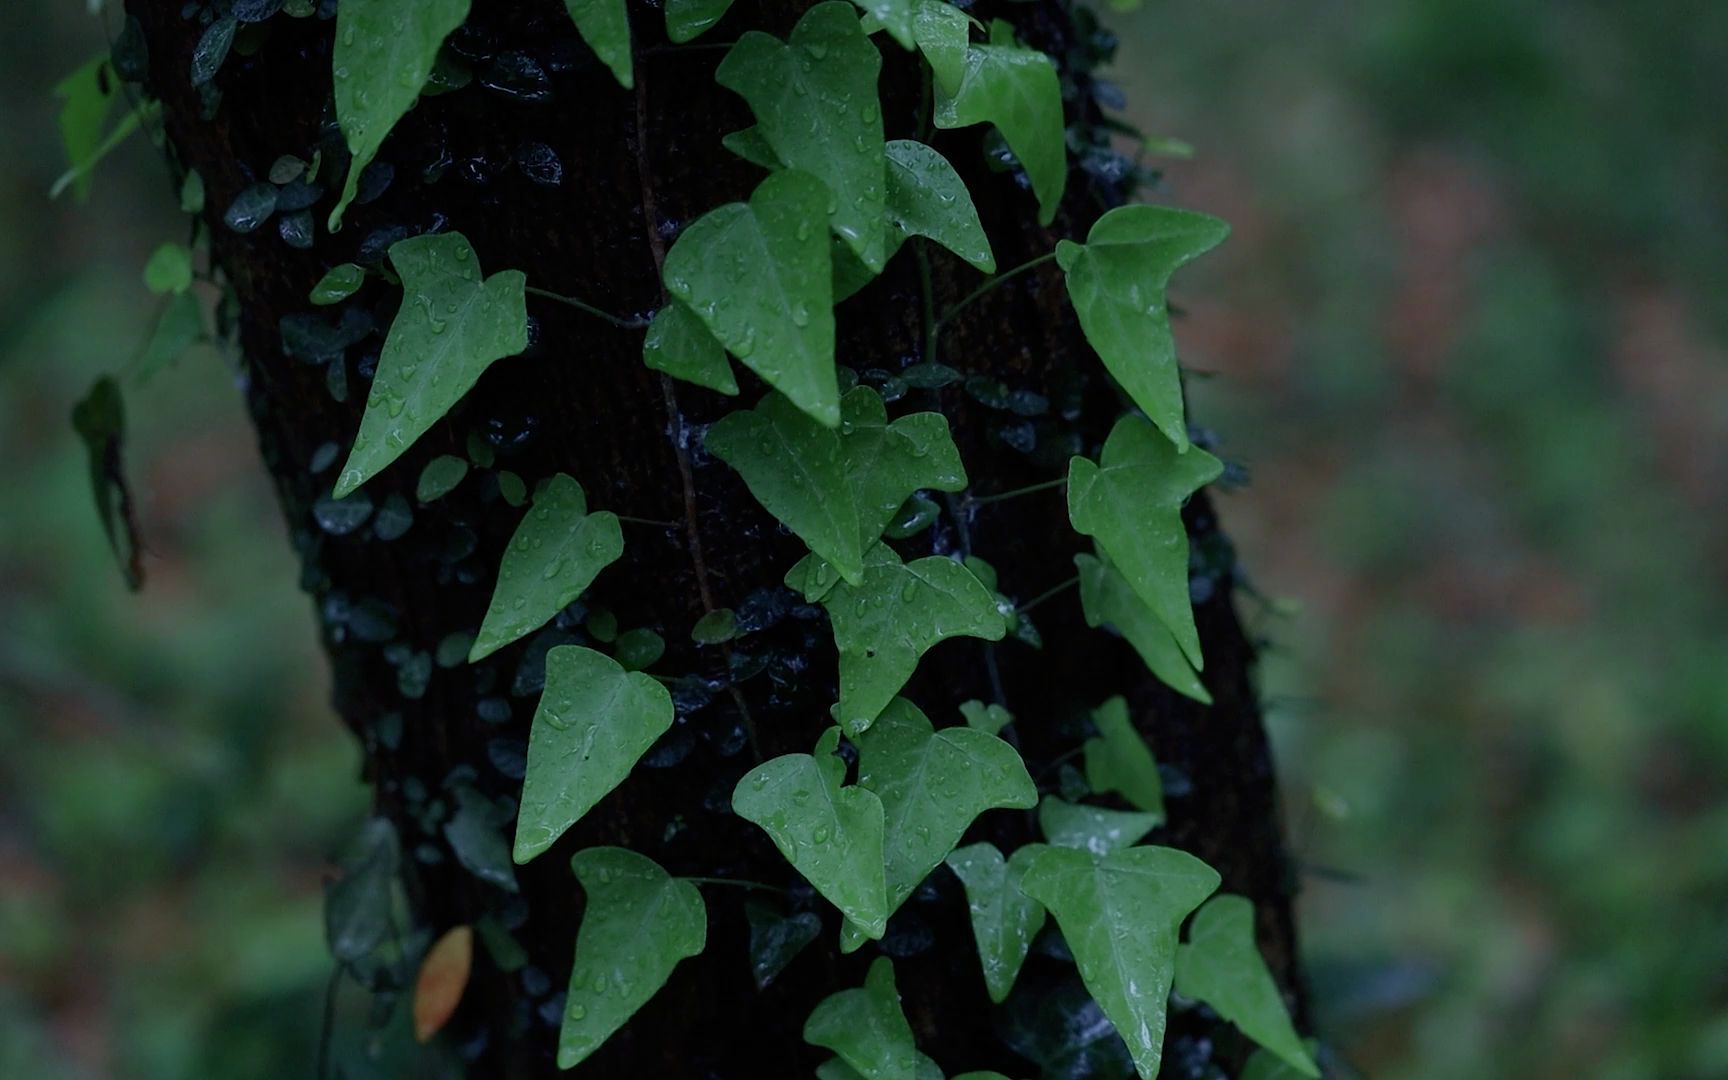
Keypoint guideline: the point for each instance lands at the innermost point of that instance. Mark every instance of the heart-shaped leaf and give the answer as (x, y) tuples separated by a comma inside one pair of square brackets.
[(1116, 280), (594, 722), (830, 833), (1131, 501), (1221, 966), (926, 197), (1092, 828), (605, 26), (885, 463), (687, 19), (1004, 919), (637, 924), (866, 1027), (553, 556), (1016, 89), (1108, 600), (678, 344), (1118, 759), (1119, 914), (451, 327)]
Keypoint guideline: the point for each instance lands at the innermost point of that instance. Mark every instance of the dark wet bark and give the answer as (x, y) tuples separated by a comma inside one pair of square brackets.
[(549, 167)]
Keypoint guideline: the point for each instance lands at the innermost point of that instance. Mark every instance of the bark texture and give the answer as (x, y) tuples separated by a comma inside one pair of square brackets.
[(549, 167)]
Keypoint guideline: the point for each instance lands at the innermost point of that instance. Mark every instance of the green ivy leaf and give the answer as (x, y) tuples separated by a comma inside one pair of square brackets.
[(829, 833), (594, 722), (894, 16), (475, 834), (687, 19), (866, 1027), (638, 649), (885, 624), (86, 97), (885, 463), (1221, 966), (837, 1069), (933, 785), (438, 479), (942, 33), (1117, 279), (169, 269), (605, 26), (1119, 914), (338, 284), (451, 327), (758, 274), (1131, 501), (1265, 1065), (1015, 89), (1118, 759), (678, 344), (637, 924), (715, 627), (751, 145), (815, 103), (991, 718), (1092, 828), (776, 938), (1004, 919), (1107, 598), (99, 418), (982, 1074), (384, 53), (794, 467), (926, 197), (555, 553)]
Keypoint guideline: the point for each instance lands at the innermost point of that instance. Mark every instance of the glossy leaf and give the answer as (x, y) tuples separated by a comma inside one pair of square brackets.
[(894, 16), (1222, 966), (1004, 919), (749, 144), (384, 53), (1131, 500), (439, 478), (555, 553), (1116, 280), (942, 33), (594, 722), (794, 467), (452, 325), (815, 101), (1092, 828), (758, 275), (867, 1027), (1108, 599), (1119, 914), (1118, 759), (686, 19), (338, 284), (885, 463), (605, 26), (638, 922), (830, 833), (926, 197), (1015, 89), (443, 976), (678, 344), (933, 785), (885, 624)]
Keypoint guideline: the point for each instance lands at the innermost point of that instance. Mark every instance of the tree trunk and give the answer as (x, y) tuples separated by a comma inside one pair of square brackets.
[(549, 167)]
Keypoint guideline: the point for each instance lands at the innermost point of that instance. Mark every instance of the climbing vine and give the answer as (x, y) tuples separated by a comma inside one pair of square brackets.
[(757, 281)]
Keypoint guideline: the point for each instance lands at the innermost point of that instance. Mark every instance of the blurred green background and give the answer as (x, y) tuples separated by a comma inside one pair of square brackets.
[(1468, 338)]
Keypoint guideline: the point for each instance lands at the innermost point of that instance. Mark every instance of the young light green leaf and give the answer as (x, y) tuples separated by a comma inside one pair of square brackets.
[(686, 19), (678, 344), (1118, 759), (338, 284), (749, 144), (1092, 828), (1015, 89), (1108, 599), (86, 96), (758, 274), (829, 833), (794, 467), (1116, 280), (451, 327), (605, 26), (942, 32), (815, 103), (384, 53), (594, 722), (1004, 919), (1221, 966), (637, 924), (169, 269), (1131, 501), (991, 718), (1119, 914), (926, 197), (556, 552), (885, 624), (866, 1027), (886, 462), (933, 785), (894, 16)]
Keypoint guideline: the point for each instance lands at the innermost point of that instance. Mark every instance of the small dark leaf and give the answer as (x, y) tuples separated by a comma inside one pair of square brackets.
[(775, 939), (100, 420), (212, 50), (357, 905), (479, 844), (251, 208), (130, 56)]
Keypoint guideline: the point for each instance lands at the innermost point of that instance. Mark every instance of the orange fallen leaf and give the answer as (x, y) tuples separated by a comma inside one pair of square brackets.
[(443, 975)]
